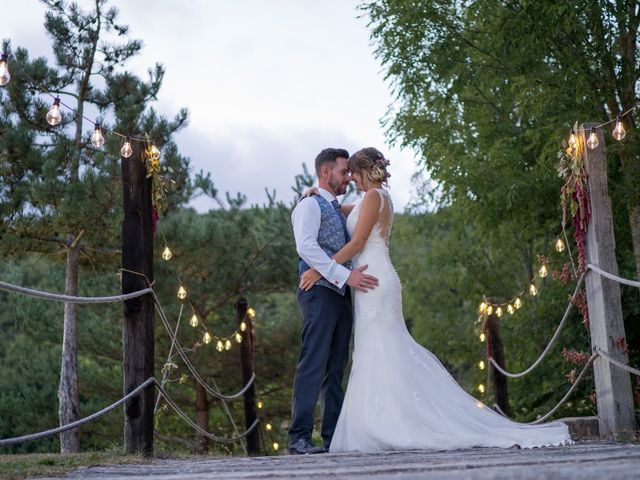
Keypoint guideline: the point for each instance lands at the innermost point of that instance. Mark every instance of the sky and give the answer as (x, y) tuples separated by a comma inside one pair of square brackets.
[(268, 84)]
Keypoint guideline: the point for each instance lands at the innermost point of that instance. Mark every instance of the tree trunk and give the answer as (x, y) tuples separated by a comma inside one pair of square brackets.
[(69, 409), (202, 418)]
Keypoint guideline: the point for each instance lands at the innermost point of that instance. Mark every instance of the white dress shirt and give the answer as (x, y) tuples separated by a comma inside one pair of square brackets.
[(306, 225)]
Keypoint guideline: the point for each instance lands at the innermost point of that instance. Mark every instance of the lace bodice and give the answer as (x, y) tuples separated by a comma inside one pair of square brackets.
[(382, 229)]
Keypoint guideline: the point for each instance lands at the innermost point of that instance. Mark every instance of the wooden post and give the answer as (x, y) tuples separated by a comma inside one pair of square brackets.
[(495, 350), (138, 315), (246, 360), (613, 385)]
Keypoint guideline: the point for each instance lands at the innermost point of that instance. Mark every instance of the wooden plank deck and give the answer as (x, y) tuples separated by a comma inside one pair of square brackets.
[(580, 461)]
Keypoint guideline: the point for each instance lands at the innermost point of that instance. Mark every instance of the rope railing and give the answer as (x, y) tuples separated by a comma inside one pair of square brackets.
[(615, 278), (150, 381), (56, 297), (551, 342), (617, 363)]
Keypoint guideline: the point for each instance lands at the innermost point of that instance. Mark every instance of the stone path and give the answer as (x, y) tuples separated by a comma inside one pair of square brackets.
[(581, 461)]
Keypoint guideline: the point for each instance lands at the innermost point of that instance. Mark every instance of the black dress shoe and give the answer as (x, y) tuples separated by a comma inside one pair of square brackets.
[(302, 446)]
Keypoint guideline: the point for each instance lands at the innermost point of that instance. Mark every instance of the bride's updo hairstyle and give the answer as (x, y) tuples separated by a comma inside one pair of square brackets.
[(370, 162)]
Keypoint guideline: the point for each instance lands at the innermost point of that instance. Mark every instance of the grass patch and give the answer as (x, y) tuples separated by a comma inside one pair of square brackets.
[(18, 467)]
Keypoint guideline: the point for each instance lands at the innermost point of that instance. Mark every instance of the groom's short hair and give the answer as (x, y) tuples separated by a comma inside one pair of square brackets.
[(328, 156)]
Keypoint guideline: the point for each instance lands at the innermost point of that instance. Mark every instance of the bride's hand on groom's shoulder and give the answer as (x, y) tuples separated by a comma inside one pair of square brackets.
[(309, 279), (311, 191)]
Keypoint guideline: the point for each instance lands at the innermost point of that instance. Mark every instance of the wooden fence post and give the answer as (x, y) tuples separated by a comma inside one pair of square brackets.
[(613, 385), (495, 350), (138, 313), (246, 360)]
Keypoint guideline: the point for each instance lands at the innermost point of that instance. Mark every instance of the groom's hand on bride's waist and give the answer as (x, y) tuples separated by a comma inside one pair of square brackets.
[(362, 281)]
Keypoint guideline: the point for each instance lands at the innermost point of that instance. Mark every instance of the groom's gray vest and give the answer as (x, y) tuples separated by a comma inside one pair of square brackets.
[(332, 236)]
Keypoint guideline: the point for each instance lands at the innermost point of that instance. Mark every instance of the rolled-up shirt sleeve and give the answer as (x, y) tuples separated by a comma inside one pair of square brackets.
[(306, 225)]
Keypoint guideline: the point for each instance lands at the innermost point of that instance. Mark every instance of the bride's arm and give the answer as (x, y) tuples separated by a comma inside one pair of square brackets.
[(346, 208)]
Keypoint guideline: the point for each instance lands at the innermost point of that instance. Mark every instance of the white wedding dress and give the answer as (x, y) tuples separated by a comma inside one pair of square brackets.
[(399, 396)]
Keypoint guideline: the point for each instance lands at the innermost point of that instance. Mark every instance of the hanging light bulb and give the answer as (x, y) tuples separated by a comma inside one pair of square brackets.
[(276, 446), (219, 346), (238, 338), (481, 365), (194, 321), (482, 308), (126, 149), (260, 404), (5, 76), (243, 326), (227, 344), (618, 132), (166, 253), (481, 388), (510, 309), (182, 293), (482, 337), (97, 139), (268, 427), (489, 309), (251, 313), (54, 117), (207, 337), (573, 141), (533, 290), (559, 245), (517, 303), (543, 271), (499, 311), (593, 141)]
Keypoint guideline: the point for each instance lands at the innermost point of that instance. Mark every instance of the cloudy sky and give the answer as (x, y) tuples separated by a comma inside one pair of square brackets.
[(268, 84)]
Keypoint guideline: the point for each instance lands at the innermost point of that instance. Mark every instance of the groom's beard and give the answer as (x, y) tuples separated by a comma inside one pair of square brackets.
[(338, 188)]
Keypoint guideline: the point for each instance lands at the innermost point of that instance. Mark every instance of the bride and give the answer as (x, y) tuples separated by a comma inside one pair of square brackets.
[(399, 395)]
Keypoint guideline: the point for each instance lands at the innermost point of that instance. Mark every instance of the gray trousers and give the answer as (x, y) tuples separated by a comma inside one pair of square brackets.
[(326, 333)]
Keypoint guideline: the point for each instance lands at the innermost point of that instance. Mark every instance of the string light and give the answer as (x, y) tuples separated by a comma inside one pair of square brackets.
[(593, 141), (207, 337), (543, 271), (482, 337), (573, 141), (251, 313), (481, 388), (166, 253), (219, 346), (517, 303), (54, 117), (268, 427), (182, 293), (489, 309), (276, 446), (260, 404), (481, 365), (510, 309), (126, 149), (238, 338), (559, 245), (194, 321), (618, 132), (5, 76), (499, 312), (533, 290), (483, 307), (97, 139), (243, 326), (227, 344)]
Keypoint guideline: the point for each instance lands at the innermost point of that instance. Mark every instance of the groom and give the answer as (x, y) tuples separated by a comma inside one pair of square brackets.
[(320, 232)]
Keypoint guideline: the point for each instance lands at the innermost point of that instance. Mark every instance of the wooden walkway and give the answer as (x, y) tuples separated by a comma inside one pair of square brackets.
[(581, 461)]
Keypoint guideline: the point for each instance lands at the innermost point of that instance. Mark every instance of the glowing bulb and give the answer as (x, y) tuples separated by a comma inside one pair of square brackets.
[(227, 344), (481, 388), (499, 311), (207, 337), (5, 76), (483, 307), (166, 253), (533, 290), (510, 309), (243, 326), (194, 321), (482, 337), (182, 293), (238, 338), (489, 309), (97, 139), (593, 141), (276, 446), (126, 149), (260, 404), (543, 271), (219, 345), (517, 303), (573, 141), (618, 132), (54, 117), (251, 313), (481, 365), (560, 245), (268, 427)]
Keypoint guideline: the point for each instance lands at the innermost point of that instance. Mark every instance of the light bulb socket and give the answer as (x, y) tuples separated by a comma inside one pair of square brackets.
[(97, 127), (56, 102)]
